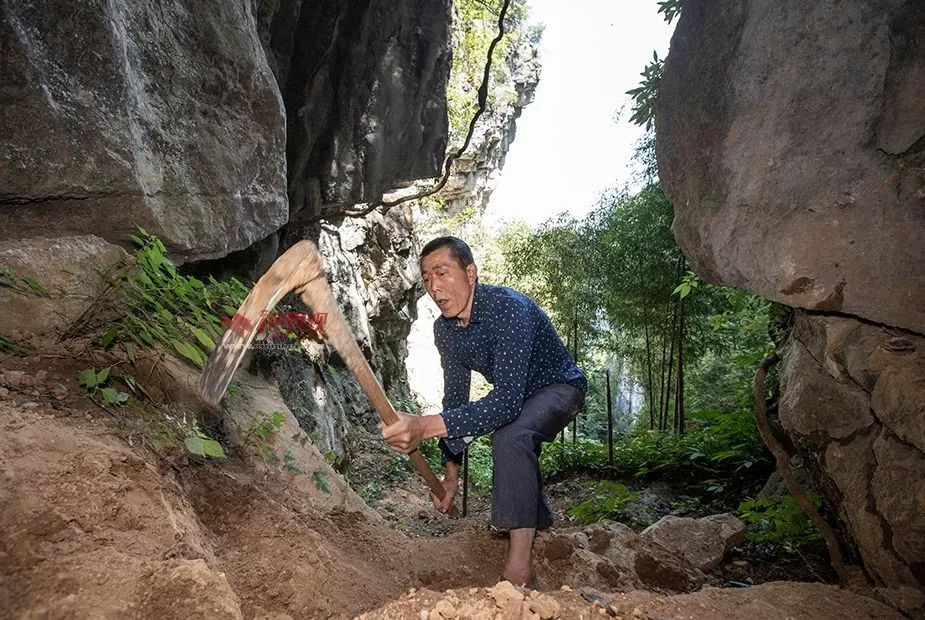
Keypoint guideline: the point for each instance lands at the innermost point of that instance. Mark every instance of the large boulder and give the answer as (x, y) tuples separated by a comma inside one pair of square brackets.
[(49, 287), (704, 542), (853, 400), (157, 114), (789, 140)]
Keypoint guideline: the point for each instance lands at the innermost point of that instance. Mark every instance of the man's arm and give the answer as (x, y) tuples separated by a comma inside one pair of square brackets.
[(513, 347), (408, 433), (456, 385)]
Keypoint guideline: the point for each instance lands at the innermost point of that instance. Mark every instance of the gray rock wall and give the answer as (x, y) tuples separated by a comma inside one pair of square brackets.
[(364, 85), (159, 114), (790, 139), (174, 116)]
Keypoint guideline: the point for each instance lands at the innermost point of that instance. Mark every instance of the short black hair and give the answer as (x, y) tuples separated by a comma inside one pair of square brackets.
[(458, 248)]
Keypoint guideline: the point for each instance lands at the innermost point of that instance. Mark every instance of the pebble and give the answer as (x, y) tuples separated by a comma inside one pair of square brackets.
[(445, 609), (4, 393), (30, 406), (545, 607), (14, 378)]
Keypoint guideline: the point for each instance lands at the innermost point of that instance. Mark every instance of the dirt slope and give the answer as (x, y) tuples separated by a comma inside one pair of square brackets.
[(93, 523)]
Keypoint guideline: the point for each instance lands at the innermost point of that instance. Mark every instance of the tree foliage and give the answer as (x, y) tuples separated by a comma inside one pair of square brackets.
[(619, 281)]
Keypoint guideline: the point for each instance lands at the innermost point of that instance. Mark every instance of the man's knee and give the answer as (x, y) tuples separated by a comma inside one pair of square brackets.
[(511, 438)]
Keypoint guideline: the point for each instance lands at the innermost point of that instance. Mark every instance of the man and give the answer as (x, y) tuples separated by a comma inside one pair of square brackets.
[(536, 391)]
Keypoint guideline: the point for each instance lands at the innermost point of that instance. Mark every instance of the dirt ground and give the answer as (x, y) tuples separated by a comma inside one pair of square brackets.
[(95, 522)]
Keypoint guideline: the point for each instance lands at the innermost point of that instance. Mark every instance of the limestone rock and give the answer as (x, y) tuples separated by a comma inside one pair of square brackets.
[(617, 558), (704, 542), (70, 272), (898, 487), (785, 140), (852, 395), (158, 114), (813, 402), (364, 88)]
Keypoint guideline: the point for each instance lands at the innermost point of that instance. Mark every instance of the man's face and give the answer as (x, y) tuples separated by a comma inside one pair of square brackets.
[(447, 283)]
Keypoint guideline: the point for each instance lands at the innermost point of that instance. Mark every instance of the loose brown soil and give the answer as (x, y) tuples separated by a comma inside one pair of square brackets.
[(96, 520)]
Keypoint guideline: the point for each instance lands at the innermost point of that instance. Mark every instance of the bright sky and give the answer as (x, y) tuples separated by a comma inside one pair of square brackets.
[(570, 143)]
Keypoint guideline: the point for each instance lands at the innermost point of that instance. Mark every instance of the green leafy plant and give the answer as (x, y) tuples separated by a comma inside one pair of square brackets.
[(608, 501), (200, 444), (645, 95), (716, 451), (96, 382), (8, 345), (372, 491), (180, 312), (688, 284), (671, 8), (779, 520)]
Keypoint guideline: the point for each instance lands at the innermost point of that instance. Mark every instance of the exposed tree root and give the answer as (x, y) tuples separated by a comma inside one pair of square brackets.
[(849, 575)]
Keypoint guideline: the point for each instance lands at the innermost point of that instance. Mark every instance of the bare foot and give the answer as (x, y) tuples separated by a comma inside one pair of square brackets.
[(519, 575)]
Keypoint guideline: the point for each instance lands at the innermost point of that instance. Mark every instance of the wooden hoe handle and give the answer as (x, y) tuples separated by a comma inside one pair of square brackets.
[(300, 269)]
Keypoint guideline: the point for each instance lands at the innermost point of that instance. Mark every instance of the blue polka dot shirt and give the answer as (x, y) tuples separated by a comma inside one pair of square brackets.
[(511, 342)]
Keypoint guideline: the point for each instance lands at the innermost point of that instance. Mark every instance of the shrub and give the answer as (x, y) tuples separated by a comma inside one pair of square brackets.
[(779, 520), (608, 501)]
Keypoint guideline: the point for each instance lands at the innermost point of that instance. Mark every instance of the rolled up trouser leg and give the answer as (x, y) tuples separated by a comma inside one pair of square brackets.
[(517, 498)]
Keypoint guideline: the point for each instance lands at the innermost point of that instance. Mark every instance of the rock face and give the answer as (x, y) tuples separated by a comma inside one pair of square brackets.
[(475, 174), (364, 85), (172, 117), (790, 140), (66, 273), (854, 399), (161, 115), (372, 272)]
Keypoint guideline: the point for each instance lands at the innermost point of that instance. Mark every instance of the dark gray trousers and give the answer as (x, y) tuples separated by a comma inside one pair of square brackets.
[(517, 498)]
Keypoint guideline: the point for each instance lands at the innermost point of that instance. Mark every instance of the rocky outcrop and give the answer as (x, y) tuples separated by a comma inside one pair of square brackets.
[(51, 286), (120, 114), (853, 397), (372, 272), (364, 87), (475, 174), (170, 117), (790, 140)]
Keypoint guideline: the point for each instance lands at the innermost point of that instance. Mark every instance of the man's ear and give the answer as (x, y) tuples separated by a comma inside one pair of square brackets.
[(472, 273)]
